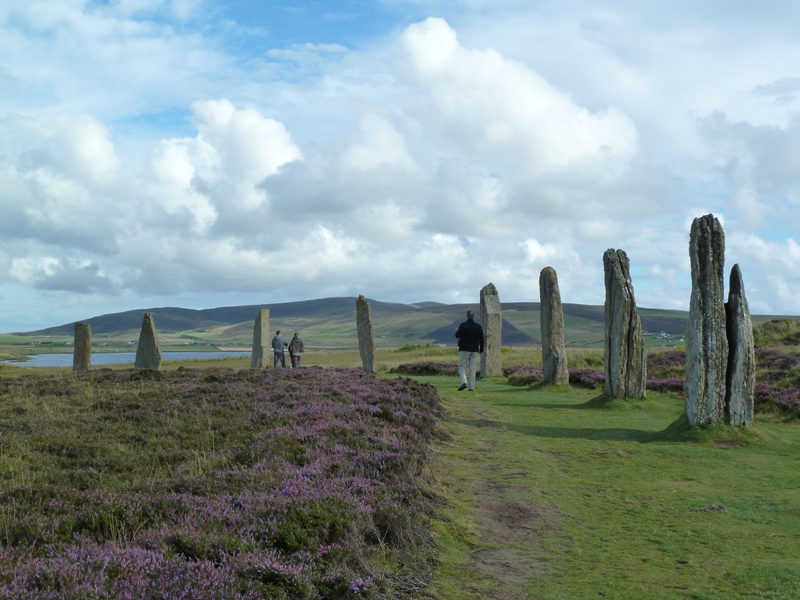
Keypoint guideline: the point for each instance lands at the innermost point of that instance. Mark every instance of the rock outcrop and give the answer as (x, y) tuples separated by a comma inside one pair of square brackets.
[(261, 341), (82, 351), (625, 355), (366, 337), (148, 354), (492, 321), (741, 375), (706, 336), (554, 355)]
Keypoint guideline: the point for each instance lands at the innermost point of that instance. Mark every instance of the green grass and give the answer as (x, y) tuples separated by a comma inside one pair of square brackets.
[(558, 493), (617, 491), (777, 331)]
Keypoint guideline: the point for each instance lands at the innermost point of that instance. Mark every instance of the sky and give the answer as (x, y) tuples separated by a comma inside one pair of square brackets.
[(204, 153)]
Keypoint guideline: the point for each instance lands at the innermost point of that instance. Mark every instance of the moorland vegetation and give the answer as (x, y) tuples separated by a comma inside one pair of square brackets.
[(209, 480)]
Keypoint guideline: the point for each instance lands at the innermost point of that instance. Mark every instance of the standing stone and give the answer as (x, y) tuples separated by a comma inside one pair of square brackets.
[(366, 337), (492, 321), (82, 352), (554, 355), (625, 362), (741, 376), (261, 341), (148, 354), (706, 339)]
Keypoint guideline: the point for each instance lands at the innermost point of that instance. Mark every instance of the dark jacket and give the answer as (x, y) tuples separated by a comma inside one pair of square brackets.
[(296, 346), (470, 336)]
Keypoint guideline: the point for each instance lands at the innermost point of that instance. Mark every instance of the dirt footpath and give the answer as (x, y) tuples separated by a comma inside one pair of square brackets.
[(505, 549)]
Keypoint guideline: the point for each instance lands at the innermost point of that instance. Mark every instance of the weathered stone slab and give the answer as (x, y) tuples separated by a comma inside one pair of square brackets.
[(706, 338), (554, 355), (741, 375), (261, 341), (148, 354), (82, 351), (366, 337), (492, 321), (625, 358)]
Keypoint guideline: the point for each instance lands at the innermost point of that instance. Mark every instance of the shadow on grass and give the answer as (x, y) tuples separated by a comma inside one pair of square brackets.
[(678, 431), (601, 401)]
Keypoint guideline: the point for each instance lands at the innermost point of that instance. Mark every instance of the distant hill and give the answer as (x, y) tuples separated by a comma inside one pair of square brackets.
[(330, 323)]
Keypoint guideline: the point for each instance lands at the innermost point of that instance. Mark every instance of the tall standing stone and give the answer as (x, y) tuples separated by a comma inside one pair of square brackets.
[(148, 354), (625, 358), (492, 321), (261, 341), (82, 351), (554, 355), (706, 339), (366, 337), (741, 375)]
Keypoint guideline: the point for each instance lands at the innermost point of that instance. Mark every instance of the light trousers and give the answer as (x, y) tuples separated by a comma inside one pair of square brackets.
[(467, 360)]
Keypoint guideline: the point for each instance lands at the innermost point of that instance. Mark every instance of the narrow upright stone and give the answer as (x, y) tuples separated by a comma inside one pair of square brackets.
[(366, 337), (741, 377), (82, 352), (706, 339), (261, 340), (148, 354), (554, 355), (492, 321), (625, 362)]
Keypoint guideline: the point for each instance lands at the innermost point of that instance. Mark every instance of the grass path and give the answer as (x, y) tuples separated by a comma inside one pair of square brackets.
[(554, 493)]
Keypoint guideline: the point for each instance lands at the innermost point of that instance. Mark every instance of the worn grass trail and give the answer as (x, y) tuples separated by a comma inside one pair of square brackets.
[(553, 493)]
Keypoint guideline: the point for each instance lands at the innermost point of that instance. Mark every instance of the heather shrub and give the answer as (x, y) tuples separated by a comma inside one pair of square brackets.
[(775, 397), (281, 483), (666, 365), (587, 378), (673, 384), (529, 375), (524, 374), (427, 368)]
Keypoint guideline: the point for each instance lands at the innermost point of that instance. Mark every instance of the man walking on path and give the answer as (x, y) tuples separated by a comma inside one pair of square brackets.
[(470, 345), (277, 348)]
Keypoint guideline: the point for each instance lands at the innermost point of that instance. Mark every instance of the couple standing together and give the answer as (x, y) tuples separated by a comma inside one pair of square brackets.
[(296, 350), (470, 345)]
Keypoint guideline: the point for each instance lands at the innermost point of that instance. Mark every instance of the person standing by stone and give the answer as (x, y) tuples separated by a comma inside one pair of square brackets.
[(470, 345), (296, 349), (278, 346)]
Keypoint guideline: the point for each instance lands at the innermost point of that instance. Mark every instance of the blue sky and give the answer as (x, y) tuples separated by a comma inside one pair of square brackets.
[(198, 153)]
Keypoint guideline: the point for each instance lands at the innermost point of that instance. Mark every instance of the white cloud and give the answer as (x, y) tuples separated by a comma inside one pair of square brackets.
[(479, 148), (538, 253), (494, 107), (377, 143), (221, 168)]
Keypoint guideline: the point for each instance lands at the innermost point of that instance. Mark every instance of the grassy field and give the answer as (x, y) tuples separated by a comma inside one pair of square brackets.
[(544, 492), (557, 493)]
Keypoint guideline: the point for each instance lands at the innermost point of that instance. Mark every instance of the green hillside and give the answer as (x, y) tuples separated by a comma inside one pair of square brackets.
[(330, 323)]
